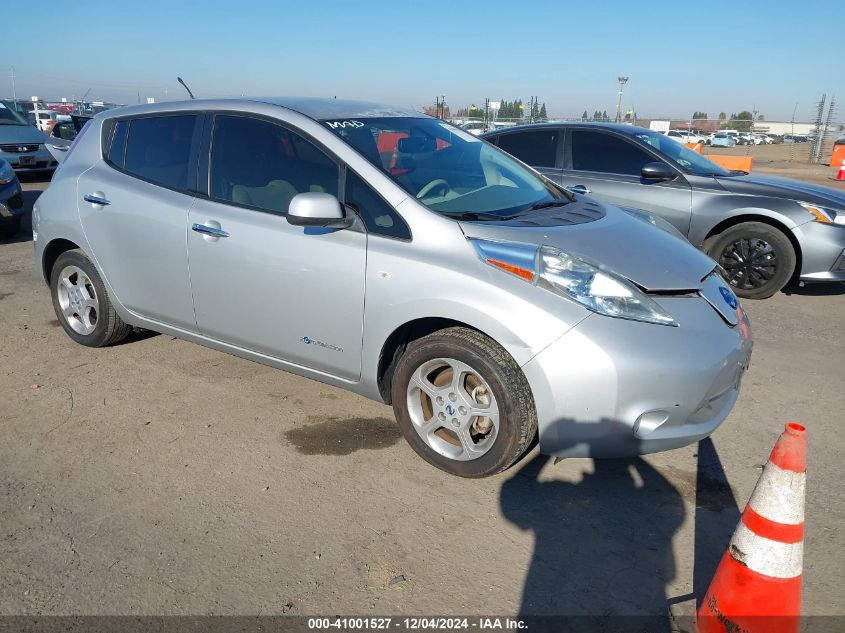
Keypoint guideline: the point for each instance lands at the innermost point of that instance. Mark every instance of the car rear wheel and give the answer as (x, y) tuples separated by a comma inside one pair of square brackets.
[(462, 403), (758, 259), (82, 304)]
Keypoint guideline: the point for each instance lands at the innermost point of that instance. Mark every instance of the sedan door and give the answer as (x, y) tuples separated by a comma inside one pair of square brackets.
[(608, 166), (261, 284)]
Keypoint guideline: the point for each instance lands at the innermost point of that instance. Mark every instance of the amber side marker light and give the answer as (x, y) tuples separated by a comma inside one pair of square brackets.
[(524, 273)]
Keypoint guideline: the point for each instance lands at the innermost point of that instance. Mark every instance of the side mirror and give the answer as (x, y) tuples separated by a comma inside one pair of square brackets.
[(658, 171), (317, 209)]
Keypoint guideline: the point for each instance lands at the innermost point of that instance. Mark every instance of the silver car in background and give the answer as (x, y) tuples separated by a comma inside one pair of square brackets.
[(396, 256)]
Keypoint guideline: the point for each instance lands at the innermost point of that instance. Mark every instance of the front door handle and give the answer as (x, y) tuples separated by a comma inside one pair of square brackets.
[(209, 230), (95, 199), (580, 189)]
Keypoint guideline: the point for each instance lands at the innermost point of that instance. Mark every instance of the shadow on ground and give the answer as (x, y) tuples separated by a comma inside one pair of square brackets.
[(817, 289), (603, 546)]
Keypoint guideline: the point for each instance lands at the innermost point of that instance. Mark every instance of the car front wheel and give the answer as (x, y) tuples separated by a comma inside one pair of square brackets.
[(758, 259), (462, 403), (81, 303)]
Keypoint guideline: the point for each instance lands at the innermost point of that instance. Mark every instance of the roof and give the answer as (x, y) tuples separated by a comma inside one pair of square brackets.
[(618, 127), (317, 109), (320, 109)]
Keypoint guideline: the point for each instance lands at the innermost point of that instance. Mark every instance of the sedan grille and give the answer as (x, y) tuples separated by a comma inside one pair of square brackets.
[(21, 148)]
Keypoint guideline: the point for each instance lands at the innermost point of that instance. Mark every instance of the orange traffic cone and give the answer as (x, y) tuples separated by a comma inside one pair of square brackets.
[(840, 175), (757, 586)]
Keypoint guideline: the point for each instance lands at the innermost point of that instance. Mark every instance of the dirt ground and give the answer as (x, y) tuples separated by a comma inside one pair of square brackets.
[(160, 477), (788, 160)]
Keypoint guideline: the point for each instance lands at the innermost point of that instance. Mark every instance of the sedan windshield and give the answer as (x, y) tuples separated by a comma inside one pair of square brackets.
[(9, 116), (447, 169), (681, 155)]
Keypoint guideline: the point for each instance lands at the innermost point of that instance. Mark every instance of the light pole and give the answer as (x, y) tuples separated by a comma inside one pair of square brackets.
[(622, 82)]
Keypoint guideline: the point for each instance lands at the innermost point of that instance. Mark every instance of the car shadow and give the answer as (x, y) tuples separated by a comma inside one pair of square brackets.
[(816, 289), (603, 546)]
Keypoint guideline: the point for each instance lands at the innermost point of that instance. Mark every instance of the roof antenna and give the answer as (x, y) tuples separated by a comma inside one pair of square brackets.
[(179, 79)]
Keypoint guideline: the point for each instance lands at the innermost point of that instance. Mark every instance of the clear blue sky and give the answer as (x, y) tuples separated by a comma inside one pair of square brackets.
[(769, 54)]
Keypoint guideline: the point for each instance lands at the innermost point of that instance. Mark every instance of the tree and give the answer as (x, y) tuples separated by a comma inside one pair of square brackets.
[(722, 116), (584, 116), (604, 116), (760, 117), (543, 115), (742, 121), (699, 115)]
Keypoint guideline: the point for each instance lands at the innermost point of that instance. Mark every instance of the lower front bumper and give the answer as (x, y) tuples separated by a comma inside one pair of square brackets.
[(822, 251), (615, 388)]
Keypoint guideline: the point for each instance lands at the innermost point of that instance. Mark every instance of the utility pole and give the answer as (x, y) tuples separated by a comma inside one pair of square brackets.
[(622, 81)]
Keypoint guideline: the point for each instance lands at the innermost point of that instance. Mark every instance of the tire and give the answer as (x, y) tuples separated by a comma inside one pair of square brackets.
[(772, 260), (488, 380), (10, 229), (82, 304)]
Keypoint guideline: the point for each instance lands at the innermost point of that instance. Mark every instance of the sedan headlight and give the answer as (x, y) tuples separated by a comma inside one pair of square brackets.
[(597, 289), (7, 174), (824, 214)]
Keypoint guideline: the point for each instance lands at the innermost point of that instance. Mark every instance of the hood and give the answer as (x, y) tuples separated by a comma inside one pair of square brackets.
[(605, 235), (10, 134), (774, 187)]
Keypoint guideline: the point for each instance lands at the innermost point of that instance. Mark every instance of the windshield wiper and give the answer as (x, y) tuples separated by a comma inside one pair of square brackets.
[(547, 205), (475, 216)]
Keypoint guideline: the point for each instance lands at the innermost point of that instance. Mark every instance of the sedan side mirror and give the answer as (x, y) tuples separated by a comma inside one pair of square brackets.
[(658, 171), (317, 209)]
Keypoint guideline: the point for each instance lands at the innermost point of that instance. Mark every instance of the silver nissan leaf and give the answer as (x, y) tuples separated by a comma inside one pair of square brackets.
[(388, 253)]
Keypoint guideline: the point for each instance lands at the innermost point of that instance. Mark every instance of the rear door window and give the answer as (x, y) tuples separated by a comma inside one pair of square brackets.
[(606, 153), (537, 148), (159, 148), (263, 165)]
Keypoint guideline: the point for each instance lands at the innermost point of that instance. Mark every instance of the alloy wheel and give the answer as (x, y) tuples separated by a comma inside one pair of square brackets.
[(78, 300), (453, 409)]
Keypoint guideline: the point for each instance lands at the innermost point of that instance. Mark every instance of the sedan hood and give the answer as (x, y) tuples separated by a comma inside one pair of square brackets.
[(605, 235), (773, 187), (28, 134)]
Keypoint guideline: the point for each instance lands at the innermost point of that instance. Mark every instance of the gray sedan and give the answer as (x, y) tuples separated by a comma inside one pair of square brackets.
[(763, 231), (390, 254)]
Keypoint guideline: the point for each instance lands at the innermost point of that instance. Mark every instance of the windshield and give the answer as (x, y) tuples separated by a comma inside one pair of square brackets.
[(681, 155), (8, 116), (447, 169)]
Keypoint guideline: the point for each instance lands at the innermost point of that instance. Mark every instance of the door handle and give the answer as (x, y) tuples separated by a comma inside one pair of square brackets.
[(61, 148), (90, 197), (580, 189), (209, 230)]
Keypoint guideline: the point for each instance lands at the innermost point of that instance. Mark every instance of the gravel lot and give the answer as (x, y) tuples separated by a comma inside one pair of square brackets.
[(159, 477)]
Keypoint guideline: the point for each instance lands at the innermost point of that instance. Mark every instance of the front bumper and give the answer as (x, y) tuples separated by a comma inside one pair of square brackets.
[(616, 388), (822, 251), (38, 161)]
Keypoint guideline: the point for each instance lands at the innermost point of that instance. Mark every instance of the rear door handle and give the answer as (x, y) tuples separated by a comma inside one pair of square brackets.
[(90, 197), (209, 230), (61, 148), (580, 189)]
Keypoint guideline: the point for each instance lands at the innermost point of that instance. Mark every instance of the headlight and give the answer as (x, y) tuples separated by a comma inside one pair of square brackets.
[(571, 277), (596, 289), (824, 214), (7, 174)]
